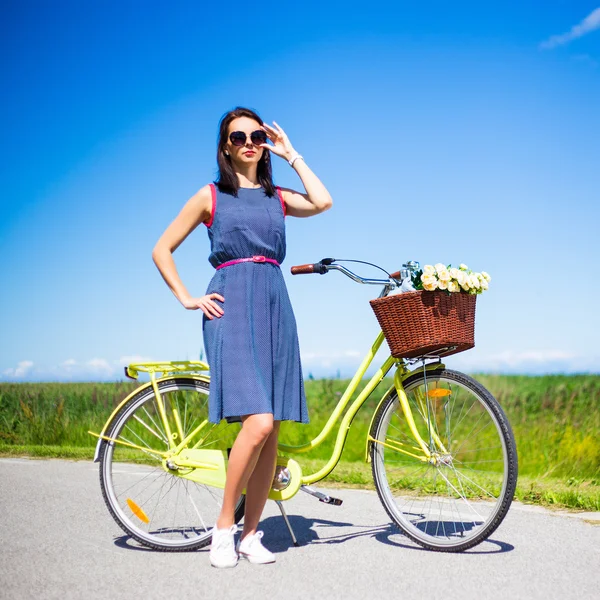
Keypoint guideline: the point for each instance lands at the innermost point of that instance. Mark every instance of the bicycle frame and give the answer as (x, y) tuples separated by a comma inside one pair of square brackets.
[(401, 373), (211, 464)]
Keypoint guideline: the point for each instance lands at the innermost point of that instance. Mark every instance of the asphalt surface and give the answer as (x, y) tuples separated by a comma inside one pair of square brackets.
[(59, 541)]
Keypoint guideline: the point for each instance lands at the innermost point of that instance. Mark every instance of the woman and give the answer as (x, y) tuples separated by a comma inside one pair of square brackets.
[(248, 325)]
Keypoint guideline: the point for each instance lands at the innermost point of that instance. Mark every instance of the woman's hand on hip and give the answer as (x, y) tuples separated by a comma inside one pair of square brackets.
[(206, 303), (281, 144)]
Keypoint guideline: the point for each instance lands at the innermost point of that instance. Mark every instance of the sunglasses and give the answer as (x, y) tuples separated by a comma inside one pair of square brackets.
[(238, 138)]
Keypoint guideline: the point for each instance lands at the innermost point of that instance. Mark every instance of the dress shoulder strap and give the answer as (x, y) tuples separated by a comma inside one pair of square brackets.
[(213, 193), (279, 193)]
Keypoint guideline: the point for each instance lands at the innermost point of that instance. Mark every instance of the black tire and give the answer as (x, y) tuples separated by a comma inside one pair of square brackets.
[(142, 476), (458, 497)]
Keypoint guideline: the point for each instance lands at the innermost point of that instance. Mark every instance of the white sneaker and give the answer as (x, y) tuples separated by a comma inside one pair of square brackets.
[(252, 549), (222, 550)]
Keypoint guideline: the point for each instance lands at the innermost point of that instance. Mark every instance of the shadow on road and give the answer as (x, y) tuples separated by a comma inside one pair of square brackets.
[(483, 548), (321, 531)]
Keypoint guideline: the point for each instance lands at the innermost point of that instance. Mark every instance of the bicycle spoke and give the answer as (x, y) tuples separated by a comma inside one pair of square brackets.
[(141, 440), (461, 496), (162, 496), (176, 504), (159, 474), (158, 426), (460, 474), (144, 424), (148, 452), (194, 505), (185, 413)]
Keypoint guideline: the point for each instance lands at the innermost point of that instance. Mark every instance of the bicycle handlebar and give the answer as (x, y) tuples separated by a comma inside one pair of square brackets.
[(306, 269), (325, 265)]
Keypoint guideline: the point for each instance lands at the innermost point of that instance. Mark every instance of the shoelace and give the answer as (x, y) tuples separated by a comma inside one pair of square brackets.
[(226, 541), (256, 537)]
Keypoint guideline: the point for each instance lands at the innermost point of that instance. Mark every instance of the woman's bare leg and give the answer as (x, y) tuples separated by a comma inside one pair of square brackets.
[(244, 455), (259, 484)]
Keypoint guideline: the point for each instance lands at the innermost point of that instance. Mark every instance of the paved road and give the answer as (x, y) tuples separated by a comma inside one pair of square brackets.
[(58, 541)]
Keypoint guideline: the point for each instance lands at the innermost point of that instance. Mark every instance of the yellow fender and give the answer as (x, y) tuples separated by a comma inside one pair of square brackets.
[(404, 377), (134, 393)]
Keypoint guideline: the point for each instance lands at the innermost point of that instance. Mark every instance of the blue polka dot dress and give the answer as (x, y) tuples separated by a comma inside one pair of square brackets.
[(252, 349)]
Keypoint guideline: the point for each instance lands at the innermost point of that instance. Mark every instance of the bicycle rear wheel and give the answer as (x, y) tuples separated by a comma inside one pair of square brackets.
[(459, 495), (156, 507)]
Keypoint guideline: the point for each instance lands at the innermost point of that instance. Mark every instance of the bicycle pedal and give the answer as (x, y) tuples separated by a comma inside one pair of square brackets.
[(320, 495), (331, 500)]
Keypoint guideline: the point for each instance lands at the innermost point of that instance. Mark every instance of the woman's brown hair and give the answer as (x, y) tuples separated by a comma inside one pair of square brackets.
[(227, 181)]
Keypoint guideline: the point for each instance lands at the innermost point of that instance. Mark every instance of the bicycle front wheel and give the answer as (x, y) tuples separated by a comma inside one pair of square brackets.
[(156, 507), (453, 493)]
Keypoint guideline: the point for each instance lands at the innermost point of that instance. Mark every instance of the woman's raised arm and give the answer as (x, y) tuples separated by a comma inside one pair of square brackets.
[(316, 199)]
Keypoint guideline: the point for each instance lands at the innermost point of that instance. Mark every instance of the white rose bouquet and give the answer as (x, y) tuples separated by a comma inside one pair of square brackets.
[(450, 279)]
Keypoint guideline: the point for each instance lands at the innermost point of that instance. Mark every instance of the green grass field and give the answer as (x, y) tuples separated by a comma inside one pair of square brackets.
[(555, 419)]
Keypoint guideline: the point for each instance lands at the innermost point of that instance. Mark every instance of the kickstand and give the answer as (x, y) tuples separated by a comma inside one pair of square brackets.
[(287, 521)]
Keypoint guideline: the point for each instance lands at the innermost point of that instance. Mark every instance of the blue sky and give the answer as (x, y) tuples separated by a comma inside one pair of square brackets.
[(445, 133)]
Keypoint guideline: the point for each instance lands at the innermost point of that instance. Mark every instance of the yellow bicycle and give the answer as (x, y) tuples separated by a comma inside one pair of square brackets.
[(443, 455)]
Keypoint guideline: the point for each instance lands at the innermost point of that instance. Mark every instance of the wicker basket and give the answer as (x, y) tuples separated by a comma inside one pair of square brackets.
[(419, 323)]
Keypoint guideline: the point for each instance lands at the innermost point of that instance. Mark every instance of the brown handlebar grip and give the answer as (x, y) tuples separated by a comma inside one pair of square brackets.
[(303, 269), (395, 275)]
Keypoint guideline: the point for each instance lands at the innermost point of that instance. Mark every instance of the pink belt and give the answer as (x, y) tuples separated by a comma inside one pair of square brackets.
[(256, 259)]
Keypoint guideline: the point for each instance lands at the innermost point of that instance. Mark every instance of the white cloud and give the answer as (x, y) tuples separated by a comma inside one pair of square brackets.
[(99, 365), (329, 357), (94, 369), (135, 358), (536, 356), (525, 361), (589, 24), (329, 364), (19, 371)]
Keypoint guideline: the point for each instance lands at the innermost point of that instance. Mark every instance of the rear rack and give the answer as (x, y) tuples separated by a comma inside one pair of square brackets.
[(165, 368)]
